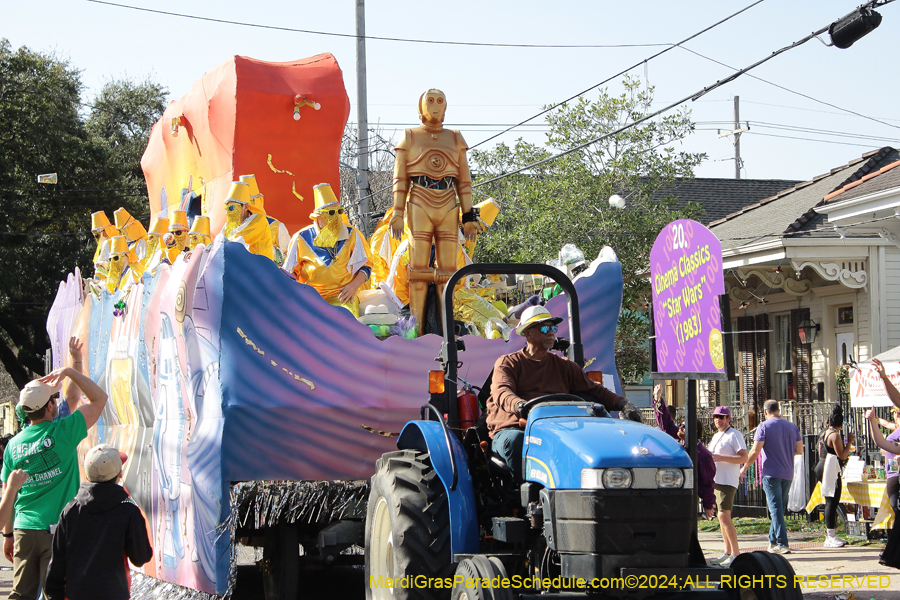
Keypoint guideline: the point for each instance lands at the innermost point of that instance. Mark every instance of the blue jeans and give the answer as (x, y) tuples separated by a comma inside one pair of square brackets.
[(508, 445), (776, 498)]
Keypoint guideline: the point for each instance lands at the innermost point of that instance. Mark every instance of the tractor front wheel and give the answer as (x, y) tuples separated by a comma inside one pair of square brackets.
[(407, 530)]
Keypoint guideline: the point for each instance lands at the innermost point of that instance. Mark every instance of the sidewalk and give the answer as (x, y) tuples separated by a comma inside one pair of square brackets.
[(834, 572)]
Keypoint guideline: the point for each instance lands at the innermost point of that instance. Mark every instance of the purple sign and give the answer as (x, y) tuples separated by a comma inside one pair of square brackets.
[(686, 276)]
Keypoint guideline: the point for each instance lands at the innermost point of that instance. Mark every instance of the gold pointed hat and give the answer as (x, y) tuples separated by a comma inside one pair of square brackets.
[(488, 211), (257, 200), (324, 198), (200, 226), (122, 217), (118, 245), (160, 226), (179, 221), (99, 221), (251, 181), (239, 192)]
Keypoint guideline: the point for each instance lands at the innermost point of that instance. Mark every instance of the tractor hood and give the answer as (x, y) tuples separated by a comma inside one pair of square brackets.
[(562, 440)]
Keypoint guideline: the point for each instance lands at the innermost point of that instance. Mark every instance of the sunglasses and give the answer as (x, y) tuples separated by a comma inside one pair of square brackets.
[(331, 212), (545, 329), (719, 416)]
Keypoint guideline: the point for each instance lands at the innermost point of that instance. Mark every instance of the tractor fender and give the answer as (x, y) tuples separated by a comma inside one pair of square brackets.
[(428, 436)]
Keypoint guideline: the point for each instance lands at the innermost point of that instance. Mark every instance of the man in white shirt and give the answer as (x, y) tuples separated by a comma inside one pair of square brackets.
[(729, 451)]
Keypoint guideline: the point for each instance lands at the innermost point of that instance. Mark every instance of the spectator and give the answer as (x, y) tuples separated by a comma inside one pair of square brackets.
[(96, 530), (46, 450), (832, 454), (729, 451), (778, 441), (706, 469)]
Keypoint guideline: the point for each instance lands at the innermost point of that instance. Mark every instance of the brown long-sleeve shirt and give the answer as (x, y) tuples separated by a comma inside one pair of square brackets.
[(517, 377)]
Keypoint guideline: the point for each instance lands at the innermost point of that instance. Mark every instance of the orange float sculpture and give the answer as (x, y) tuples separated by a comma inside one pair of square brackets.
[(234, 121)]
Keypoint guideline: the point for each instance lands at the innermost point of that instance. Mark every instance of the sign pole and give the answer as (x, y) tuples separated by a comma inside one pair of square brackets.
[(691, 440)]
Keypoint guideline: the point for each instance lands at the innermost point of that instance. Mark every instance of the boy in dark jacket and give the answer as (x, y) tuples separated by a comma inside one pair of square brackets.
[(96, 532)]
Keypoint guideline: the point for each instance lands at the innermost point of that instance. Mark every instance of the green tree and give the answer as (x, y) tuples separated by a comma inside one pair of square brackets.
[(45, 229), (567, 200), (122, 116)]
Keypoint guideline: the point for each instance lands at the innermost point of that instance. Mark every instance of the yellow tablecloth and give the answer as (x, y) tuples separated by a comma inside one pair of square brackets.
[(863, 493)]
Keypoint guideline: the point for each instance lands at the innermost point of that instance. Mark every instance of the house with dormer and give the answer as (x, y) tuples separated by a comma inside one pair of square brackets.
[(813, 275)]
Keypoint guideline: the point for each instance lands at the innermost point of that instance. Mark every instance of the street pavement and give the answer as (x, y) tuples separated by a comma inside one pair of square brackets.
[(830, 572), (833, 574)]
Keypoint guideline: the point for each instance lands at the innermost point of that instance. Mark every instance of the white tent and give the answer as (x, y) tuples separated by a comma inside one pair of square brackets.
[(866, 387)]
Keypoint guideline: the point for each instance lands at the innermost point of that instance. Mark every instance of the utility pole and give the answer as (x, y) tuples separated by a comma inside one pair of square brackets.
[(737, 137), (736, 132), (362, 118)]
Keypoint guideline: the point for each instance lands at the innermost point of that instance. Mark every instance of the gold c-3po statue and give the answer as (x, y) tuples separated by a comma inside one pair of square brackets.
[(430, 173)]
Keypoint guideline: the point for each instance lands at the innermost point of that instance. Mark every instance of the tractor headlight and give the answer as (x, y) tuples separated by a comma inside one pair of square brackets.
[(669, 478), (598, 479), (616, 478)]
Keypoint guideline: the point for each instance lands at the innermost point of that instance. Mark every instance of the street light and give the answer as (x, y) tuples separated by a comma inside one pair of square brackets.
[(807, 331), (845, 31)]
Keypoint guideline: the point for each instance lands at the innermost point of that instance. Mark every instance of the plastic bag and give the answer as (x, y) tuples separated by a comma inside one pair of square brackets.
[(798, 495), (469, 307)]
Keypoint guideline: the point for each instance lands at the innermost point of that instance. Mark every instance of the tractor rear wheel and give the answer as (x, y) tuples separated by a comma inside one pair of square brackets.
[(407, 530), (771, 577)]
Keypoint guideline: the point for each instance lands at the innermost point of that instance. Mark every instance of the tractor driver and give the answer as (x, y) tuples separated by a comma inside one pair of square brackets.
[(533, 372)]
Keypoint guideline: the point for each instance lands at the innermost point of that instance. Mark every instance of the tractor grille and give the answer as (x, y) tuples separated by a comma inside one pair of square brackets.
[(618, 522)]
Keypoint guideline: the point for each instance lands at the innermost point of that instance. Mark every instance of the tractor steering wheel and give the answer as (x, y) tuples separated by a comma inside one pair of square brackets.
[(567, 398)]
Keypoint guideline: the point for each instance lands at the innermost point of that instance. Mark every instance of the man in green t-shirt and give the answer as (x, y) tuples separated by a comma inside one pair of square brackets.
[(47, 451)]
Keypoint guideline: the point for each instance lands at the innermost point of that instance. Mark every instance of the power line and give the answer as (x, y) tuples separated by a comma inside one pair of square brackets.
[(620, 73), (791, 137), (692, 97), (370, 37), (781, 87), (543, 112)]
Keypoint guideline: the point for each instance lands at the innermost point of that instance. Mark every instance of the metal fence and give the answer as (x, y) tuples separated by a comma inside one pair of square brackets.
[(809, 417)]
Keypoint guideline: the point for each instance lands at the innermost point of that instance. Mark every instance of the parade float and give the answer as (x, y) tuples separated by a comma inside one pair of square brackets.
[(252, 410)]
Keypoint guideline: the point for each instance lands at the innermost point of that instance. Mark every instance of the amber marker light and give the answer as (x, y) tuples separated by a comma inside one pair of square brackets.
[(435, 382)]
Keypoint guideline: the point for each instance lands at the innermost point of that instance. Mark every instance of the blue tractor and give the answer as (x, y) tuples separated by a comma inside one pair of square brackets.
[(606, 507)]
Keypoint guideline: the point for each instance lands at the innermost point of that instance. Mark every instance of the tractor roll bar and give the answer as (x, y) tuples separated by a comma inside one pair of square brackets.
[(449, 351)]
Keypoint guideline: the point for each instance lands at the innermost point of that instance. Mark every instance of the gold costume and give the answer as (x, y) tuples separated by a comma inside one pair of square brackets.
[(178, 227), (331, 257), (250, 229), (431, 185), (103, 231), (383, 246)]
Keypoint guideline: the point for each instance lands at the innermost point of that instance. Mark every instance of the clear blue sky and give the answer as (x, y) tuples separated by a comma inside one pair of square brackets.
[(492, 86)]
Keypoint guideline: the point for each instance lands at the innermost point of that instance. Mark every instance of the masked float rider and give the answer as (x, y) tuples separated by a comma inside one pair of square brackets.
[(431, 185), (281, 239), (103, 231), (199, 233), (176, 238), (246, 223), (120, 273), (133, 231), (155, 245), (328, 255)]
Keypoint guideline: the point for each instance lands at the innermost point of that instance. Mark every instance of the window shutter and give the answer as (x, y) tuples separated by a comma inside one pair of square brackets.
[(746, 359), (762, 362), (800, 355)]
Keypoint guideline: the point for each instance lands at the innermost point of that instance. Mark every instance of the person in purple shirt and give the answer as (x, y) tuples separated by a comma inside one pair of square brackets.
[(778, 441), (706, 468)]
